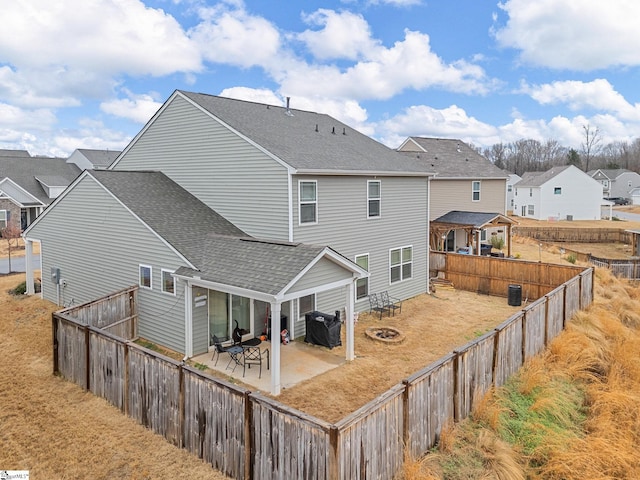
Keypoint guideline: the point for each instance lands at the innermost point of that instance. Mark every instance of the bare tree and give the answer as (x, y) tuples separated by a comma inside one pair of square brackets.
[(10, 233), (590, 145)]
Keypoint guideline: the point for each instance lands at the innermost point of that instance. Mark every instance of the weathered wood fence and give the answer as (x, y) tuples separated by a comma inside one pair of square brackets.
[(549, 233), (248, 436)]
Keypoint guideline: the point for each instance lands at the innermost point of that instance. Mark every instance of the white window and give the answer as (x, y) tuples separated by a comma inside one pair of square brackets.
[(145, 276), (400, 264), (308, 193), (373, 198), (362, 284), (509, 188), (168, 282), (557, 190), (4, 218), (306, 304), (531, 192), (530, 210), (483, 235), (475, 191)]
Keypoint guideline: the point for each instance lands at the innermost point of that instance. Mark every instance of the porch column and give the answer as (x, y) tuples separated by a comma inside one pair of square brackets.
[(349, 320), (28, 249), (509, 240), (188, 320), (275, 348)]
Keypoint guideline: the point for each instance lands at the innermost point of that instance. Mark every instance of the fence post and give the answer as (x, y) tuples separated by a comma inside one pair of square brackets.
[(54, 330), (334, 468), (125, 387), (405, 414), (87, 353), (181, 405), (248, 436)]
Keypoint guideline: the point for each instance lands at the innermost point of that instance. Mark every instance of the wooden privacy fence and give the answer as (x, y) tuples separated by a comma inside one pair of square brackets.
[(493, 276), (248, 436), (574, 235)]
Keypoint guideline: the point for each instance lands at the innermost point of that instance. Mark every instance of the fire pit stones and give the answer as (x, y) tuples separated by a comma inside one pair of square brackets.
[(385, 334)]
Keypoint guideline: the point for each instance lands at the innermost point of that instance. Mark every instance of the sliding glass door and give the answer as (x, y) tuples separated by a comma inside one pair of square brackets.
[(225, 310)]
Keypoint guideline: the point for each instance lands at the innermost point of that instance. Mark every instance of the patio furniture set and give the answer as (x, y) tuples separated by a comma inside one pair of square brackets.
[(384, 303)]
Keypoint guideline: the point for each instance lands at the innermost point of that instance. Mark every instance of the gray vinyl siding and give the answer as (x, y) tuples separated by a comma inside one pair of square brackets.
[(450, 195), (98, 246), (325, 271), (343, 225), (226, 172), (200, 321)]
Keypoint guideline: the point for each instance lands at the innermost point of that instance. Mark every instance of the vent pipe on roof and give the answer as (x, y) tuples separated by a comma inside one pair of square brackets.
[(316, 127), (288, 111), (344, 131), (333, 130)]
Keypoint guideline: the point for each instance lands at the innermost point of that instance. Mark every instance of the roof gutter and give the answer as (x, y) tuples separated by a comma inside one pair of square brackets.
[(360, 173)]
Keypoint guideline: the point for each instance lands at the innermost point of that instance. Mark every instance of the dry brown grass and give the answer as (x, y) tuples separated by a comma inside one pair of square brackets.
[(17, 250), (53, 428)]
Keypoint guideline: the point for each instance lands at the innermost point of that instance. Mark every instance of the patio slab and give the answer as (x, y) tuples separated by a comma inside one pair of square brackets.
[(299, 361)]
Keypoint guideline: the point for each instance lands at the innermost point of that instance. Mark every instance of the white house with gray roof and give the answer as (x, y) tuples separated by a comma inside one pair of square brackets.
[(464, 181), (112, 229), (616, 183), (29, 184), (93, 159), (561, 193)]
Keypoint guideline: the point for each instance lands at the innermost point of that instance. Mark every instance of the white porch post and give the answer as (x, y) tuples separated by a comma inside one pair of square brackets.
[(350, 322), (188, 320), (275, 348), (28, 248)]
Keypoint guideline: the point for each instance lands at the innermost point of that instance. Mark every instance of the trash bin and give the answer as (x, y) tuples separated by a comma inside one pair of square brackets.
[(515, 295)]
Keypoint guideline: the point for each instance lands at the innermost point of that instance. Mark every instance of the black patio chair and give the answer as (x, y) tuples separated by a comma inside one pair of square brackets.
[(232, 350), (376, 305), (253, 356), (391, 303)]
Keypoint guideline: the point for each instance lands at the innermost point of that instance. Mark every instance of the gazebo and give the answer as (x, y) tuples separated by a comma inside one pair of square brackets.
[(472, 223)]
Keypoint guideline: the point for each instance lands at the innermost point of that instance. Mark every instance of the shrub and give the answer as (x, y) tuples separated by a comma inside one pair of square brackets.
[(572, 258), (21, 288), (497, 242)]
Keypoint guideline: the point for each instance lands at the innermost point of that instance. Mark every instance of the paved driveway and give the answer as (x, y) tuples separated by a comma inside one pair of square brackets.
[(18, 264)]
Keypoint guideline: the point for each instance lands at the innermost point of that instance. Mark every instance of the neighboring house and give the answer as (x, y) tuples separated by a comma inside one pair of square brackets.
[(561, 193), (29, 184), (88, 159), (292, 177), (616, 183), (465, 181), (512, 179)]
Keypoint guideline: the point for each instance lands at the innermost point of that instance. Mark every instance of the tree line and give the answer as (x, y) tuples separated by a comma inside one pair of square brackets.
[(528, 155)]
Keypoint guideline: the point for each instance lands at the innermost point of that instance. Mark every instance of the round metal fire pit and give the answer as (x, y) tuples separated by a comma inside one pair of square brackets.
[(385, 334)]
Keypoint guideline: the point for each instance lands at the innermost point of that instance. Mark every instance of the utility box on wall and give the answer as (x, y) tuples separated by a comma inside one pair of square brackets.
[(55, 275)]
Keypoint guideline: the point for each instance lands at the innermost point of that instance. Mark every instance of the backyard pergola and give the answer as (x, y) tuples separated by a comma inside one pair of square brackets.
[(472, 223)]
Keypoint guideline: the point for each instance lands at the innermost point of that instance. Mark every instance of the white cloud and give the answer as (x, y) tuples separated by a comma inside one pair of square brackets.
[(385, 72), (598, 95), (566, 34), (16, 118), (235, 37), (343, 35), (259, 95), (139, 108), (108, 36)]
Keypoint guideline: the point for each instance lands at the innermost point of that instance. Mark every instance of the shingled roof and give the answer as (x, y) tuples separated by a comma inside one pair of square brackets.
[(23, 170), (451, 158), (100, 158), (537, 179), (309, 142), (219, 251)]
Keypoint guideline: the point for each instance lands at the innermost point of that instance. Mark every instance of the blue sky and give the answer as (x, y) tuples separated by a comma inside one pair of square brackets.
[(89, 74)]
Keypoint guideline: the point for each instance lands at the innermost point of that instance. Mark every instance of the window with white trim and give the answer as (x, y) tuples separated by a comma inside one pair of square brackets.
[(362, 284), (400, 264), (509, 188), (483, 235), (557, 190), (4, 218), (374, 198), (308, 201), (168, 282), (145, 276), (306, 304), (530, 210), (475, 191)]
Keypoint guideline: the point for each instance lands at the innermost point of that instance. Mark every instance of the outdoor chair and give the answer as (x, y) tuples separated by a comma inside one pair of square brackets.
[(253, 356), (232, 350), (376, 305), (391, 303)]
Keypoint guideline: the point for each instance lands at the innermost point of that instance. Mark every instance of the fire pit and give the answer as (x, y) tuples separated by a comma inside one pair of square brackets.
[(385, 334)]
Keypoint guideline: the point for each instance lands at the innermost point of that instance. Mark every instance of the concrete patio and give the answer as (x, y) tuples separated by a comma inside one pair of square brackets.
[(299, 361)]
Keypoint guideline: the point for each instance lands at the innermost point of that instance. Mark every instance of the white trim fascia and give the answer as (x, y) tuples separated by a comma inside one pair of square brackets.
[(35, 200), (290, 206), (315, 290), (222, 287), (440, 177)]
